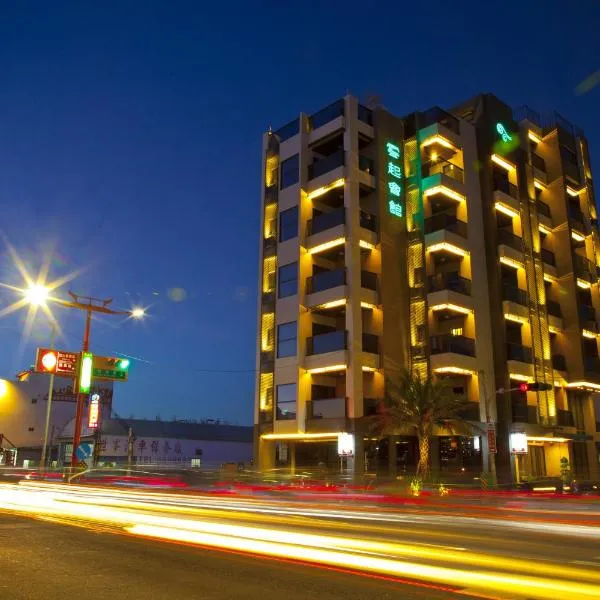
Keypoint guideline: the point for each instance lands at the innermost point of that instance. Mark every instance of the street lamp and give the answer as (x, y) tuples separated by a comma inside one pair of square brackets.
[(36, 294), (3, 388), (138, 313)]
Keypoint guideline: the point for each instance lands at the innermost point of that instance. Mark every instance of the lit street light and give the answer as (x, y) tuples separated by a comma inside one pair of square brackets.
[(37, 294), (138, 313)]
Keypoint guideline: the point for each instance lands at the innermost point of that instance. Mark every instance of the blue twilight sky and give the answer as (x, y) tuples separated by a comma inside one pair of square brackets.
[(130, 136)]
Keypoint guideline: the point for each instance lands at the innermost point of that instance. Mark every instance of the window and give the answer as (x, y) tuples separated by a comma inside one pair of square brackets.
[(286, 339), (288, 224), (286, 401), (290, 171), (288, 280)]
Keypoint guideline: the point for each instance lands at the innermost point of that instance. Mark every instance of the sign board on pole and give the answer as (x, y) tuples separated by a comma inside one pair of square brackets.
[(345, 444), (518, 443), (492, 438), (94, 412), (59, 362), (111, 368), (84, 450)]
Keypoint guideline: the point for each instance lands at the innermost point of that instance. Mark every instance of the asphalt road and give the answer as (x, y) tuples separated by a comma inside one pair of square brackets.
[(49, 560)]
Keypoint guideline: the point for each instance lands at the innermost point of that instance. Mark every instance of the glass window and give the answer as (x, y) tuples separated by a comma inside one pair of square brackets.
[(286, 339), (288, 131), (288, 280), (288, 224), (286, 401), (290, 171)]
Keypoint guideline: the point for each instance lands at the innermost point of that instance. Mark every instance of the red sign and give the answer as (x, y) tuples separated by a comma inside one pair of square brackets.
[(492, 438), (94, 412), (59, 362)]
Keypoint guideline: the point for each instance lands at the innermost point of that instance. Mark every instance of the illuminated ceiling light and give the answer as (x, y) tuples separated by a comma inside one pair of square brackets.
[(327, 245), (453, 371), (438, 139), (442, 189), (324, 189), (453, 307), (333, 303), (584, 384), (533, 137), (507, 210), (367, 245), (511, 262), (329, 369), (519, 377), (539, 438), (544, 229), (538, 184), (578, 237), (515, 318), (501, 162), (367, 305), (445, 246), (583, 284), (549, 278), (553, 329), (367, 369), (586, 333), (299, 436), (573, 192)]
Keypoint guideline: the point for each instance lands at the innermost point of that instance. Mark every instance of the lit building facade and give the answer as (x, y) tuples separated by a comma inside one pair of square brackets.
[(461, 244)]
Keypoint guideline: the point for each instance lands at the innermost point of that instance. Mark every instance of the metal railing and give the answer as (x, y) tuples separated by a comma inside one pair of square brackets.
[(449, 281), (445, 167), (458, 344), (514, 294), (327, 408), (553, 308), (326, 221), (327, 342), (447, 222), (510, 239), (518, 352), (324, 165), (503, 185), (544, 209), (325, 280), (548, 257)]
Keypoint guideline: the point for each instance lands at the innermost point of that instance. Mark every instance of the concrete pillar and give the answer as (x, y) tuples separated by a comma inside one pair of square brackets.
[(266, 455), (292, 451), (393, 455), (359, 457)]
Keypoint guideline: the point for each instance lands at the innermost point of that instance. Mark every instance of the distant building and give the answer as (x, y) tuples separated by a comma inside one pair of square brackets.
[(164, 442)]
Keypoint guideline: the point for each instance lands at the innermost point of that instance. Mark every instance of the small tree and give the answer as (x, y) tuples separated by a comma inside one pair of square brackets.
[(413, 405)]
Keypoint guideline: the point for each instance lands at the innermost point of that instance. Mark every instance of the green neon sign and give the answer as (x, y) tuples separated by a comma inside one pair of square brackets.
[(503, 133), (394, 172), (85, 375)]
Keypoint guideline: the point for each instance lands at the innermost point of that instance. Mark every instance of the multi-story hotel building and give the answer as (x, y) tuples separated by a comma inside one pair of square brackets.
[(462, 244)]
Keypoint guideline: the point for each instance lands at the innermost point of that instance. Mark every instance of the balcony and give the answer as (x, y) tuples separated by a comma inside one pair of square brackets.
[(324, 165), (543, 209), (558, 362), (456, 344), (519, 353), (565, 418), (370, 343), (327, 408), (369, 280), (366, 165), (368, 221), (288, 131), (587, 313), (553, 309), (327, 342), (538, 162), (509, 239), (325, 281), (591, 364), (327, 114), (584, 268), (365, 115), (471, 412), (449, 281), (523, 412), (445, 222), (548, 257), (371, 406), (437, 115), (326, 221), (445, 167), (269, 246), (514, 294), (501, 184)]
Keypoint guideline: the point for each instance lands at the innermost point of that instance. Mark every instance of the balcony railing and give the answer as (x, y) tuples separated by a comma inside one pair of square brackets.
[(368, 221), (548, 257), (447, 222), (326, 221), (583, 266), (270, 246), (524, 413), (324, 165), (553, 308), (370, 343), (458, 344), (544, 209), (366, 164), (558, 362), (327, 408), (510, 239), (327, 342), (565, 418), (329, 113), (519, 352), (289, 130), (365, 114), (445, 167), (371, 406), (470, 412), (437, 115), (449, 281), (538, 162), (503, 185), (325, 280), (591, 364), (587, 312), (368, 280), (514, 294)]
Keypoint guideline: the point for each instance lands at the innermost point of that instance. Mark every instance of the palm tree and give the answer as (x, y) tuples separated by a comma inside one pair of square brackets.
[(422, 406)]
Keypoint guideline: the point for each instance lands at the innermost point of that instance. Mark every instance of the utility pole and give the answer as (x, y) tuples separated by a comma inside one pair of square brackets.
[(48, 406), (489, 423)]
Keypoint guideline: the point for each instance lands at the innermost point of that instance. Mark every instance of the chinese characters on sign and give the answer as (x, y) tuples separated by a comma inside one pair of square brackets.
[(94, 412), (394, 172)]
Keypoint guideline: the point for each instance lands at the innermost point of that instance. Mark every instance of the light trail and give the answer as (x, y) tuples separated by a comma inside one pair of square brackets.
[(184, 519)]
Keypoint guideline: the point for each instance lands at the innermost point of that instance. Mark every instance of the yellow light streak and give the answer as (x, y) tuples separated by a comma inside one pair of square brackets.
[(577, 236), (327, 245), (553, 329), (367, 305), (549, 278), (573, 192), (333, 304), (366, 245), (454, 307), (329, 369), (438, 139), (586, 333), (539, 185), (511, 262), (453, 371), (324, 189), (583, 284), (442, 189), (519, 377), (446, 246), (515, 318), (544, 229), (368, 369), (507, 210), (501, 162), (583, 384), (540, 438), (300, 436), (533, 137)]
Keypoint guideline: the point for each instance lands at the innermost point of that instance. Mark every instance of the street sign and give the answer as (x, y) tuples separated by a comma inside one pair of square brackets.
[(492, 438), (94, 412), (110, 368), (518, 443), (59, 362), (84, 450)]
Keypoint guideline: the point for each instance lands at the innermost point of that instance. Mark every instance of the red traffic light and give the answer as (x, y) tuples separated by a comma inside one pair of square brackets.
[(535, 386), (523, 387), (47, 361)]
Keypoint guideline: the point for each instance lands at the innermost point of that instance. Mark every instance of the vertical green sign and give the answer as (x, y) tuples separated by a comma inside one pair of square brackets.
[(394, 179), (85, 374)]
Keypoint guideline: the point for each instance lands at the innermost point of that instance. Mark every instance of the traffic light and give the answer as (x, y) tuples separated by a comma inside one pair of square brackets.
[(47, 361), (535, 386), (111, 368)]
